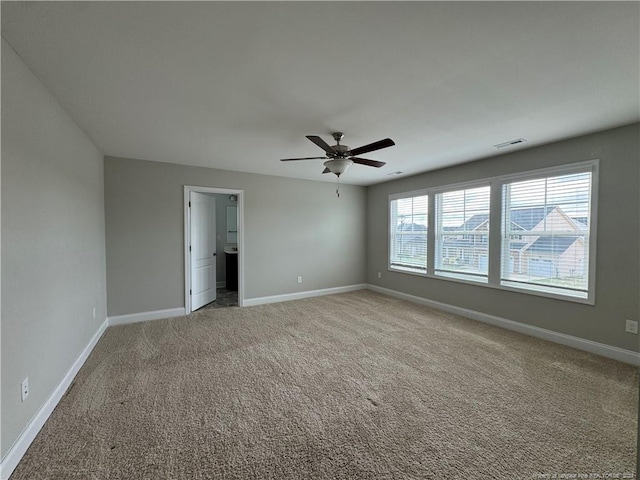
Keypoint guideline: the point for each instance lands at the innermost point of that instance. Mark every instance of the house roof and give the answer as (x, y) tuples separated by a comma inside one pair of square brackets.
[(412, 227), (581, 222), (521, 218), (475, 221), (551, 245), (528, 218)]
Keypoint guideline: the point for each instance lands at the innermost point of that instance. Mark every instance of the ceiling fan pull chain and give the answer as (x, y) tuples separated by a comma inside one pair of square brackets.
[(338, 186)]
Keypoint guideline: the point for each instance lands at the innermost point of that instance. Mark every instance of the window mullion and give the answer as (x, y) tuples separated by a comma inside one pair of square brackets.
[(495, 233), (393, 209), (431, 233)]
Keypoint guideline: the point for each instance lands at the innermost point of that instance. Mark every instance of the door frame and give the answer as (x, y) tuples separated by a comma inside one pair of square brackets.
[(187, 240)]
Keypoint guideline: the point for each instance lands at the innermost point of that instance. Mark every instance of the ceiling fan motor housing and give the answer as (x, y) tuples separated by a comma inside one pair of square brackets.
[(341, 150)]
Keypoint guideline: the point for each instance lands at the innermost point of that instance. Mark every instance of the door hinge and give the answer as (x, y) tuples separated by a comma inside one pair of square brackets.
[(189, 291), (189, 247), (189, 204)]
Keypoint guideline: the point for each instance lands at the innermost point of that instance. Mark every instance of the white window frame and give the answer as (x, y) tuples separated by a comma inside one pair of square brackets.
[(392, 197), (495, 231), (591, 166), (469, 277)]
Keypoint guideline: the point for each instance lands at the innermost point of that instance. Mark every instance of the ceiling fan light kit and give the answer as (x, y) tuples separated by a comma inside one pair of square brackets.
[(341, 157), (338, 166)]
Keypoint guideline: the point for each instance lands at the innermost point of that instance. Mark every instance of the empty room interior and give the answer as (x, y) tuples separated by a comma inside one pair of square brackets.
[(320, 240)]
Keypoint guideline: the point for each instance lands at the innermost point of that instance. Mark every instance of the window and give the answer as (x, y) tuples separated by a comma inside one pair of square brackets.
[(542, 243), (462, 233), (408, 231), (545, 225)]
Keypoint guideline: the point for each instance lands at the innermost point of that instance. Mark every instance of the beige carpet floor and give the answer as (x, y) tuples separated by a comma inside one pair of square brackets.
[(350, 386)]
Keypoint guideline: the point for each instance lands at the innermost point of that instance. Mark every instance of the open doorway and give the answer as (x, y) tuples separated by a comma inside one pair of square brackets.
[(213, 247)]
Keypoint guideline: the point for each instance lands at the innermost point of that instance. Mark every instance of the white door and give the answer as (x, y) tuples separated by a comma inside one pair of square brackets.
[(203, 249)]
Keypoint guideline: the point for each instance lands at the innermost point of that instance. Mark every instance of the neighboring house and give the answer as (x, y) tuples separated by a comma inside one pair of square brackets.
[(542, 244), (558, 257), (546, 255), (412, 239), (460, 247)]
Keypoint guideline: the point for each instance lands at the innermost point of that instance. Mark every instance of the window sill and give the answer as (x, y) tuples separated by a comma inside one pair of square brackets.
[(586, 300), (413, 271)]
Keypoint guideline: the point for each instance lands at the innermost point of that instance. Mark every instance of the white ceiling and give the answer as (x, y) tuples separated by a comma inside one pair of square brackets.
[(237, 85)]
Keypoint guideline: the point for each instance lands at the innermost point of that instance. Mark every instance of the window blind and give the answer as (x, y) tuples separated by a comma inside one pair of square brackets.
[(408, 233), (545, 231), (462, 233)]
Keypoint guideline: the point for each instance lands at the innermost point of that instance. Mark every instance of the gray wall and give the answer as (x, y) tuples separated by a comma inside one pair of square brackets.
[(53, 252), (291, 227), (617, 273)]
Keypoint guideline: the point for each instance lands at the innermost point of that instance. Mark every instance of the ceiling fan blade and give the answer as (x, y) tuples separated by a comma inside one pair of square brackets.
[(326, 170), (365, 161), (387, 142), (305, 158), (321, 143)]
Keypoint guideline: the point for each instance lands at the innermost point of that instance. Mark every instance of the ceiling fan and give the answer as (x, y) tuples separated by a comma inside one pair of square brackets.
[(341, 157)]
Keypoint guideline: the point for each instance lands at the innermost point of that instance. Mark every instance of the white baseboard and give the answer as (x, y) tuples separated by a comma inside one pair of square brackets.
[(145, 316), (250, 302), (602, 349), (19, 448)]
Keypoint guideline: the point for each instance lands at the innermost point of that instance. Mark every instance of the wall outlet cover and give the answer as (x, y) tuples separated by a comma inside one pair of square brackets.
[(24, 389), (631, 326)]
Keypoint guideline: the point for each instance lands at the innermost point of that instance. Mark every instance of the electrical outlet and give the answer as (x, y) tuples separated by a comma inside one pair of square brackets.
[(299, 278), (631, 326), (379, 274), (24, 392)]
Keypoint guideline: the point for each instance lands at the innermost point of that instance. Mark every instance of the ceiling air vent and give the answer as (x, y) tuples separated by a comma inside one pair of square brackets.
[(510, 143)]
